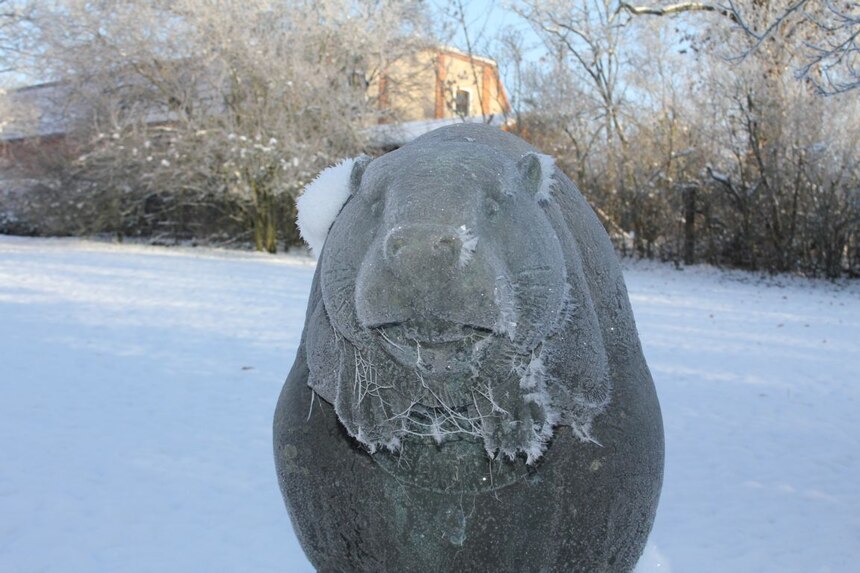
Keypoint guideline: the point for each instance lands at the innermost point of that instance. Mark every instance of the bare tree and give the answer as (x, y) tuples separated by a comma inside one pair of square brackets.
[(825, 32), (219, 102), (834, 52), (587, 35), (14, 35), (690, 153)]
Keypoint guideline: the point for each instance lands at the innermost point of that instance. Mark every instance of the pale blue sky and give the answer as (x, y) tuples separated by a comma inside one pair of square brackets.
[(486, 19)]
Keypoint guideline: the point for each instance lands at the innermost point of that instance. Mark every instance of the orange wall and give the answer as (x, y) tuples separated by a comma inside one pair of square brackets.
[(425, 85)]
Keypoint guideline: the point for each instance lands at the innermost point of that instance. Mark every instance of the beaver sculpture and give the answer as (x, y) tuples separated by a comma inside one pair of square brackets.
[(470, 393)]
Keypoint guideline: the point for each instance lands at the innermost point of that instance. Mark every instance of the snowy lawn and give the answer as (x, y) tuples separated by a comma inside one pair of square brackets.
[(137, 386)]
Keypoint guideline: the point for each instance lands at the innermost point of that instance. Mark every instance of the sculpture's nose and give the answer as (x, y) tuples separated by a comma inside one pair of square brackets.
[(412, 251)]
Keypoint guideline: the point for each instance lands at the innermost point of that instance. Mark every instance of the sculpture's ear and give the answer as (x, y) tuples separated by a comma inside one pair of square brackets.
[(536, 170), (323, 198)]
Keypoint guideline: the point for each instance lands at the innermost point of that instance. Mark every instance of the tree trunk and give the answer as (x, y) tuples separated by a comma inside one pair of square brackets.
[(265, 233), (689, 225)]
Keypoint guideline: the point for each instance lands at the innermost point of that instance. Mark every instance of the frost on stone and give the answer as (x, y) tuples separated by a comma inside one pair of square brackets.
[(534, 380), (501, 348), (512, 403), (547, 165), (503, 296), (468, 244)]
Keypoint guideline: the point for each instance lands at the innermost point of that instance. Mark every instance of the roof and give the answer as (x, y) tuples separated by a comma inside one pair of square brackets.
[(399, 134), (477, 58), (40, 111)]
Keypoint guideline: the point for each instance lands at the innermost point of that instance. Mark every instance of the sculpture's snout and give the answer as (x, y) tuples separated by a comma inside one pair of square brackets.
[(413, 250), (430, 273)]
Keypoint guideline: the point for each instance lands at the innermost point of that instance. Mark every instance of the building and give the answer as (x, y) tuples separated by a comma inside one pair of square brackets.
[(442, 83), (436, 87)]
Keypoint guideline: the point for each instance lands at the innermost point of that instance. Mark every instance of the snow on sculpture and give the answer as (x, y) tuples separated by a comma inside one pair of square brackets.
[(322, 200), (467, 320)]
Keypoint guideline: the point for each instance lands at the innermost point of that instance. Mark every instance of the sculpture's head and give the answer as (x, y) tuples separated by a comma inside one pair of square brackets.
[(448, 308)]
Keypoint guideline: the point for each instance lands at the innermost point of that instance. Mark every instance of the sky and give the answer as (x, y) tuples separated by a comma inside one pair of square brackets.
[(486, 18)]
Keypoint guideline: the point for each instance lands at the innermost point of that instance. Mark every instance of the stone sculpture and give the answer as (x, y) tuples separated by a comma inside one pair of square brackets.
[(470, 393)]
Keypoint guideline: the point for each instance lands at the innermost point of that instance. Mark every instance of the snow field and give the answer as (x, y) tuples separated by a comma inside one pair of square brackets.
[(137, 386)]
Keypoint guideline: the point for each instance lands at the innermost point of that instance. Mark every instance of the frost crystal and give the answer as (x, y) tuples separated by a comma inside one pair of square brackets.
[(468, 245), (503, 294), (547, 168)]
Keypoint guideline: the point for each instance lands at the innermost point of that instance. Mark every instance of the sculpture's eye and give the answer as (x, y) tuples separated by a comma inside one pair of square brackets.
[(373, 197), (376, 205)]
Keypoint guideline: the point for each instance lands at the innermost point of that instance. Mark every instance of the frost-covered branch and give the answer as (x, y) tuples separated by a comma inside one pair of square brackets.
[(834, 58), (827, 38), (679, 8)]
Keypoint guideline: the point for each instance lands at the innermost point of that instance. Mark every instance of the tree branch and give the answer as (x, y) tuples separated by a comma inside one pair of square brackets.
[(729, 12)]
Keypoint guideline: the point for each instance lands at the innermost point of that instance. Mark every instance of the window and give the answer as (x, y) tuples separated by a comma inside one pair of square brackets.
[(461, 102)]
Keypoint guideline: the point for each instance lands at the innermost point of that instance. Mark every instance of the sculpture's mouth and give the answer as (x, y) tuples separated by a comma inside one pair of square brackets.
[(436, 349), (433, 423)]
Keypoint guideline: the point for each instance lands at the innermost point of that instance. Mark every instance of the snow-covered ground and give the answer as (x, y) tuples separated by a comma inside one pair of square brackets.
[(137, 386)]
